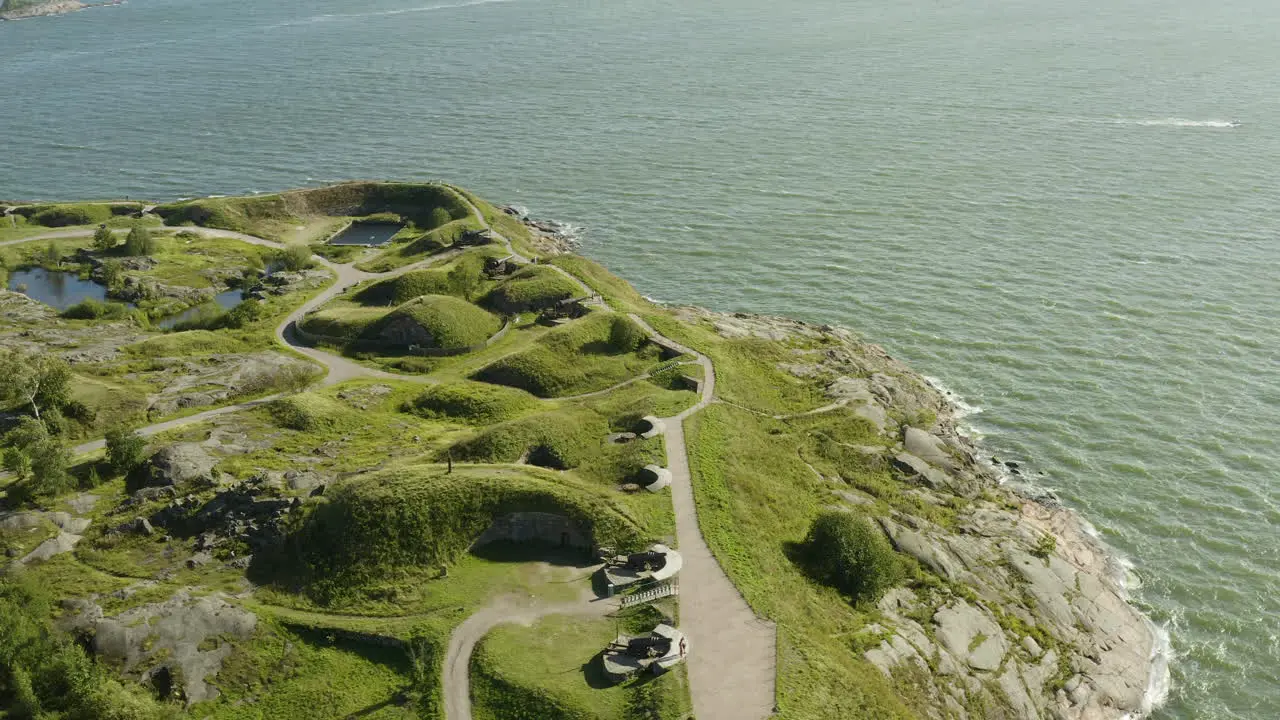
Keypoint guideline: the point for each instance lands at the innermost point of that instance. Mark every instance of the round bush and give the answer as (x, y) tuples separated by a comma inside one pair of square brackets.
[(847, 552), (625, 335)]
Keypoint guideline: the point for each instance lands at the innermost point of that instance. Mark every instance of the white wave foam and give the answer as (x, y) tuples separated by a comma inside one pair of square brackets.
[(1159, 682), (1178, 122), (962, 408)]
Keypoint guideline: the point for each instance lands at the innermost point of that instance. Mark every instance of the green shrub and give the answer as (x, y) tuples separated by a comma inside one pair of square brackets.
[(90, 309), (434, 321), (532, 288), (126, 450), (139, 241), (103, 239), (845, 551), (472, 402), (625, 335), (295, 257)]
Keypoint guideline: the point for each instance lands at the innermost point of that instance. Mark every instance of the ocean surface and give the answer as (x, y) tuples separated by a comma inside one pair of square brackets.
[(1068, 213)]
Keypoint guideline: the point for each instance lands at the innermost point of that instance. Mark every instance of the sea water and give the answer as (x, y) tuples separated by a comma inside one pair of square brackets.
[(1067, 212)]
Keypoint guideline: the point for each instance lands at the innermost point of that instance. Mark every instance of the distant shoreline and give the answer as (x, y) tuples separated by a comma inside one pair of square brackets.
[(51, 7)]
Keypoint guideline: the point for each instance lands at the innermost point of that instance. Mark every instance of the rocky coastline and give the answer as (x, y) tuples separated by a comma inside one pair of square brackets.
[(1040, 624)]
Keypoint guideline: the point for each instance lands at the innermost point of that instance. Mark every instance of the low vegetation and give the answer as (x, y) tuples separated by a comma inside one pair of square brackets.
[(434, 321), (591, 354), (532, 288), (471, 403)]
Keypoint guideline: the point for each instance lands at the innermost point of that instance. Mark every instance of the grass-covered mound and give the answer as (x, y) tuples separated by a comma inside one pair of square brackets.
[(343, 321), (439, 321), (427, 206), (560, 439), (590, 354), (470, 402), (308, 412), (532, 288), (462, 278), (67, 214), (420, 518)]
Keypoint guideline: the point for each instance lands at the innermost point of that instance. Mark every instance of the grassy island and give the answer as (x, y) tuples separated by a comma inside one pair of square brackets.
[(257, 475)]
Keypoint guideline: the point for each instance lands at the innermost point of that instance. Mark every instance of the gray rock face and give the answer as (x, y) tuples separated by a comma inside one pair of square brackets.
[(174, 630), (929, 448), (61, 543), (971, 635), (181, 465)]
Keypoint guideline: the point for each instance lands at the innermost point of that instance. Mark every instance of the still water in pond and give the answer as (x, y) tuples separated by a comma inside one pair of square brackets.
[(60, 290), (366, 234), (224, 300)]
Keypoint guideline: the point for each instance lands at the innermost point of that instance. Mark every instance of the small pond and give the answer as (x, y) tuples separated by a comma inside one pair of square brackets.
[(224, 300), (60, 290), (366, 234)]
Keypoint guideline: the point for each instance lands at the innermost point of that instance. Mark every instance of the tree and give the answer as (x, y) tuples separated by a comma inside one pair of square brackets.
[(49, 461), (126, 450), (850, 554), (112, 273), (52, 255), (38, 380), (103, 239), (139, 242)]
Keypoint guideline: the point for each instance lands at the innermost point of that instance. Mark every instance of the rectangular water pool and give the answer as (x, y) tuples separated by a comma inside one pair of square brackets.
[(366, 234)]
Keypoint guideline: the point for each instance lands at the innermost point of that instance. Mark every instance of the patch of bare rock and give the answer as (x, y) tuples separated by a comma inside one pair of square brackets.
[(176, 646), (1036, 623)]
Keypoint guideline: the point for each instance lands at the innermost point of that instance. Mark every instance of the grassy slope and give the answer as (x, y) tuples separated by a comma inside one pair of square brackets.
[(570, 360)]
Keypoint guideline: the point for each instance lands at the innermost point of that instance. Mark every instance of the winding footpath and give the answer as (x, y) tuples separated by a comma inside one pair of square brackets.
[(732, 653)]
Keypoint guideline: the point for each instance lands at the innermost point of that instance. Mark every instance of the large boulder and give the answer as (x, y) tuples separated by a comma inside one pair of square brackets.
[(182, 465)]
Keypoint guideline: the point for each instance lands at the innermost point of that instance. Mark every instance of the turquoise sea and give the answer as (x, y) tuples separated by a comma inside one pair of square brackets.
[(1069, 213)]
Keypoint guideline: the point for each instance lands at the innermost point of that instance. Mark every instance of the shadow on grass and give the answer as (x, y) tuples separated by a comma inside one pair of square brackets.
[(594, 675)]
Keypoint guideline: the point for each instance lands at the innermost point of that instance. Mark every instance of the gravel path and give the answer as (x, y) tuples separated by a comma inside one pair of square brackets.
[(733, 654), (502, 610)]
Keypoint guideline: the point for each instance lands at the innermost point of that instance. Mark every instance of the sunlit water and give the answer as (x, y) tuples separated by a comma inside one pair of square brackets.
[(1068, 212)]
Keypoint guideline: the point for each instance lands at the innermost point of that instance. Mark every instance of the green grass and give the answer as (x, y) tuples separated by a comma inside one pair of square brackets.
[(462, 277), (583, 356), (756, 500), (532, 288), (292, 672), (619, 293), (468, 402)]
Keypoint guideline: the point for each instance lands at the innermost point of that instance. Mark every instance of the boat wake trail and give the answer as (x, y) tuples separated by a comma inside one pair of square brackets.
[(383, 13), (1179, 122)]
